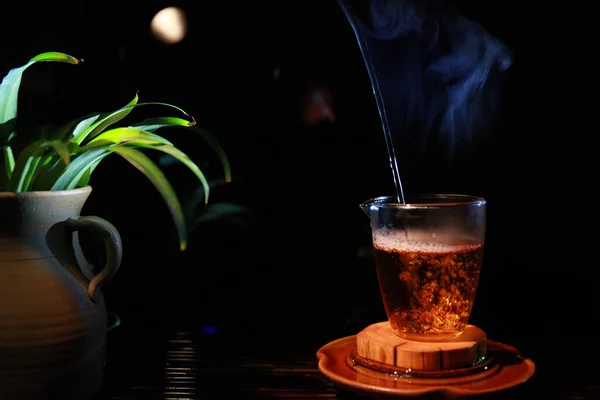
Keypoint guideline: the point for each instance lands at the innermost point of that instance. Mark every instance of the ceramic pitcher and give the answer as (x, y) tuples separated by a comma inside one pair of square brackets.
[(52, 313)]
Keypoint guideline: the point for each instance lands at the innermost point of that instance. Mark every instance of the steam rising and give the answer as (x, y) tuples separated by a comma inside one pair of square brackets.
[(437, 71)]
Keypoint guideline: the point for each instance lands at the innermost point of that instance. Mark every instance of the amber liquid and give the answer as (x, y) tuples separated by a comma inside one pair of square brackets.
[(428, 290)]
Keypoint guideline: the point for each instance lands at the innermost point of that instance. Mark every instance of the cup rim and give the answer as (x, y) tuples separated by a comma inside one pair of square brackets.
[(428, 200)]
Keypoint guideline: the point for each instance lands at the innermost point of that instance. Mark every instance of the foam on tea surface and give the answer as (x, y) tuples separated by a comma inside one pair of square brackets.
[(420, 242)]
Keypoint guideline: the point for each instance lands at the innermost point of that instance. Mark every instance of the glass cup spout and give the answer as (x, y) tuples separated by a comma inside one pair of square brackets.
[(366, 207)]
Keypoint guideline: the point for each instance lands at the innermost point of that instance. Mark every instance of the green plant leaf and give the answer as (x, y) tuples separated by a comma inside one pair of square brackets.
[(72, 128), (50, 166), (215, 145), (125, 135), (218, 149), (9, 161), (195, 198), (85, 178), (230, 212), (152, 124), (140, 138), (60, 157), (97, 127), (76, 170), (84, 124), (9, 89), (56, 57), (79, 170), (116, 116), (160, 182), (25, 166), (7, 131), (61, 150), (185, 160), (33, 160), (53, 165), (48, 175)]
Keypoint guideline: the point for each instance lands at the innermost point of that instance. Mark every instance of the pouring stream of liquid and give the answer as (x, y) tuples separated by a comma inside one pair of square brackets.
[(364, 49)]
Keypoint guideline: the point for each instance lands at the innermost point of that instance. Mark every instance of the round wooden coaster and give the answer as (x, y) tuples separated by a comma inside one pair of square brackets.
[(378, 342)]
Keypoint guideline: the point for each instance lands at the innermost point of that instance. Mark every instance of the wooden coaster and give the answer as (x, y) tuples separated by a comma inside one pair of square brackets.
[(378, 342)]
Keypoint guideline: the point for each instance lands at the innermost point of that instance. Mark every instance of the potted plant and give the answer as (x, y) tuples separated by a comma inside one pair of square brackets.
[(52, 313)]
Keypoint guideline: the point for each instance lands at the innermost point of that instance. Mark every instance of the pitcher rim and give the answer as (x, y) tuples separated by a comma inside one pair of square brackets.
[(460, 200), (47, 193)]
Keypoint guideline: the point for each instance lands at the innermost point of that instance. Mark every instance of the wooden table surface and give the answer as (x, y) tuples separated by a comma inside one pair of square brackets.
[(178, 364)]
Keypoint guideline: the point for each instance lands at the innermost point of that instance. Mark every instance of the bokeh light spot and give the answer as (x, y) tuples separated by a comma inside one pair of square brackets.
[(169, 25)]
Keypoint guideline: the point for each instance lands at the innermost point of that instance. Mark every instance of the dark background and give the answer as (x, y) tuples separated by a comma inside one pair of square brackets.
[(292, 269)]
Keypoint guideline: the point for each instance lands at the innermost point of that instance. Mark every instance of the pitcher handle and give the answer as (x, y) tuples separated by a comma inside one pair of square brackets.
[(109, 235)]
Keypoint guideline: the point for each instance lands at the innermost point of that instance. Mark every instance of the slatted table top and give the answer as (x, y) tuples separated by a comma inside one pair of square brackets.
[(171, 364)]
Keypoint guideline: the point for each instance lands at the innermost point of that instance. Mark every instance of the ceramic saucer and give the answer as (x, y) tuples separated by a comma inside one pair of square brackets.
[(506, 369)]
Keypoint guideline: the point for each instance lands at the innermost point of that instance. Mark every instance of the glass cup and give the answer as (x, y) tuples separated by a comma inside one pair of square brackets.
[(428, 255)]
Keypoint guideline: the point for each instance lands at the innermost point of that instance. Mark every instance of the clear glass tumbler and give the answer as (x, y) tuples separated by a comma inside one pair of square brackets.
[(428, 256)]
